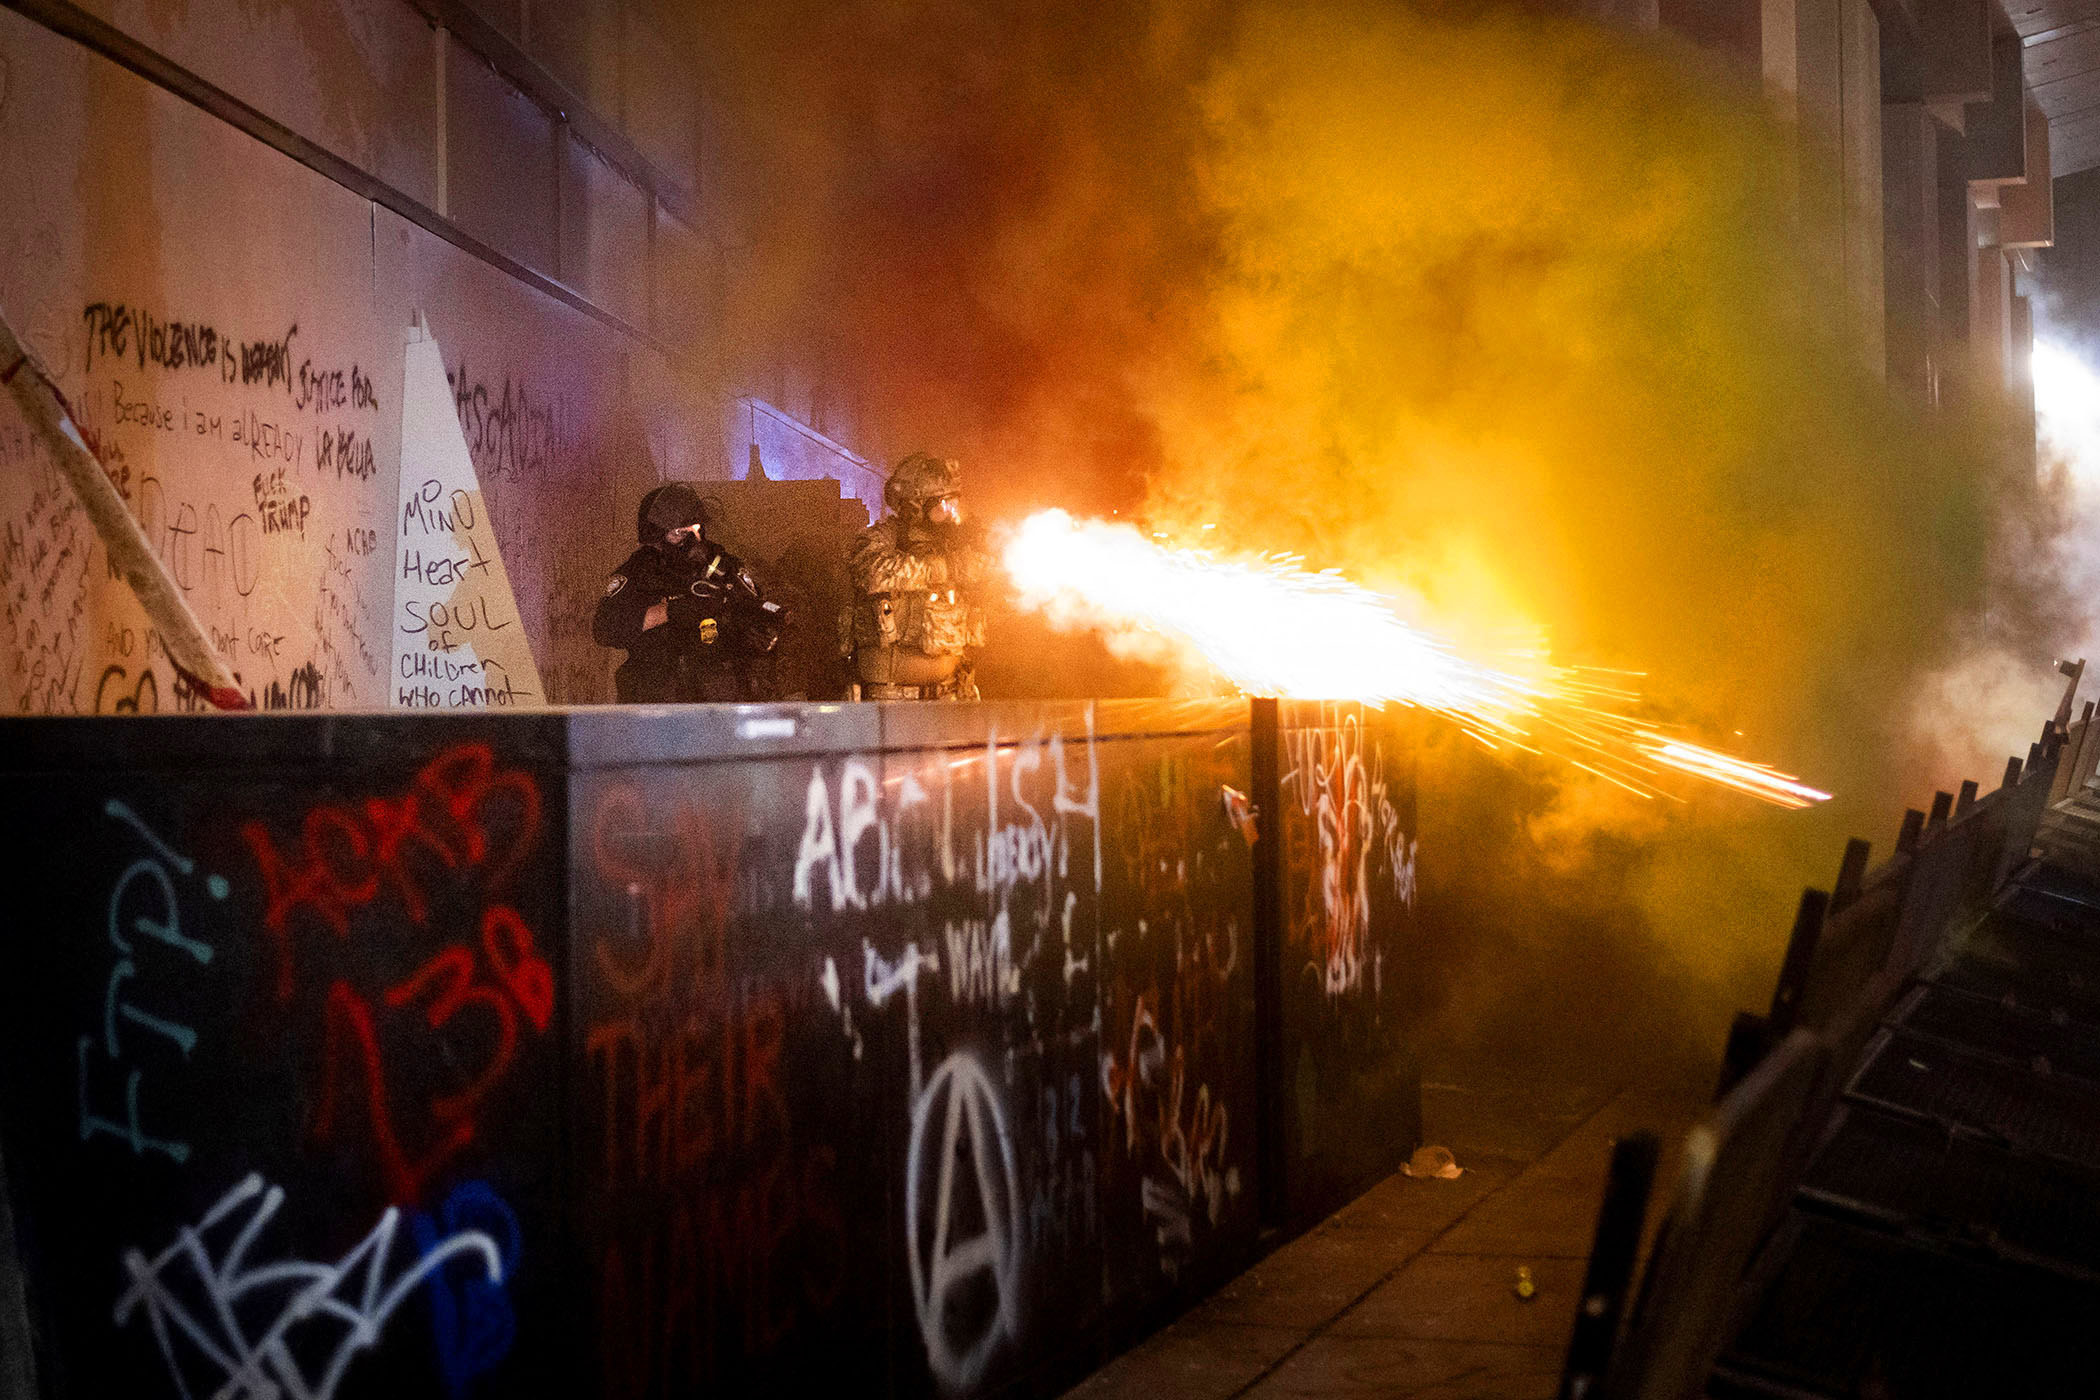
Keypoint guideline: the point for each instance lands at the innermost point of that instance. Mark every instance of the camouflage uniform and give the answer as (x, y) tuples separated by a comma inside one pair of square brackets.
[(915, 623)]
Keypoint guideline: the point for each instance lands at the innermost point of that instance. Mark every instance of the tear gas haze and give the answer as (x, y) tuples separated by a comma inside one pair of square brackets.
[(1504, 310)]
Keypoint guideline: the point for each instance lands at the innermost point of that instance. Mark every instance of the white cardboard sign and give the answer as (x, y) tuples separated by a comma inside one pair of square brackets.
[(458, 640)]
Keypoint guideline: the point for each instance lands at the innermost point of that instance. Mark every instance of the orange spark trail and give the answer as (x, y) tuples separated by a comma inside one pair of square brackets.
[(1272, 627)]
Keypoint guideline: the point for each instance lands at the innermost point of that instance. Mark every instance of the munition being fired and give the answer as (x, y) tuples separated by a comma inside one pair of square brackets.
[(1272, 627)]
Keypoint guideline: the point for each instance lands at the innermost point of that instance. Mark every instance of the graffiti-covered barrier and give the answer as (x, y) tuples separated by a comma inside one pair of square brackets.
[(1338, 880), (650, 1052)]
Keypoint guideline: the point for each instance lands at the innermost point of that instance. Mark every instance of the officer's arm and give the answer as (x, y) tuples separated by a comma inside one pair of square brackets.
[(971, 563), (768, 611), (880, 568), (745, 590), (624, 613), (761, 620)]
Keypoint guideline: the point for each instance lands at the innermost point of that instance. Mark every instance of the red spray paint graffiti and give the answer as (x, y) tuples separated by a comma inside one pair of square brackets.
[(687, 1060), (344, 853), (662, 1293), (462, 824)]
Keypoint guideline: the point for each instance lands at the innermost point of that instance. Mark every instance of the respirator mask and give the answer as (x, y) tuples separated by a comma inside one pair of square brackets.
[(691, 544)]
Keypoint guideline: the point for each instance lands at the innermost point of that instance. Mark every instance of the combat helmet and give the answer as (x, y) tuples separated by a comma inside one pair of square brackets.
[(919, 482), (669, 507)]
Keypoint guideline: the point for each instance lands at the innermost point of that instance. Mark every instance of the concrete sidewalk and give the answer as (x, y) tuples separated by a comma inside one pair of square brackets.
[(1411, 1290)]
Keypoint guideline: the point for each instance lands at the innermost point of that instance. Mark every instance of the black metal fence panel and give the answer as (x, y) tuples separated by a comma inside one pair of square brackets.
[(983, 987), (1179, 1167), (1346, 861), (652, 1053), (277, 1096), (730, 1145)]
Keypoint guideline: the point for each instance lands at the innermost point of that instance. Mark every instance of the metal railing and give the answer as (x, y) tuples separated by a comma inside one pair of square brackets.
[(1853, 950)]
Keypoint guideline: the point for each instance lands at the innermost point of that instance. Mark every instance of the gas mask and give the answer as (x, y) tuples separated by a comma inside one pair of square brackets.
[(926, 493), (933, 522), (690, 545)]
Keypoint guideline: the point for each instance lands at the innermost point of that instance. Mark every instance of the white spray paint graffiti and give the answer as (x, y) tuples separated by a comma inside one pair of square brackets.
[(981, 961), (1353, 817), (835, 847), (961, 1339), (832, 860), (1074, 963), (163, 923), (881, 981), (1400, 852), (269, 1366), (1009, 907)]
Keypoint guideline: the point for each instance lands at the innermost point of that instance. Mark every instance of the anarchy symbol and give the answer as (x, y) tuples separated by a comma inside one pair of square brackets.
[(966, 1289)]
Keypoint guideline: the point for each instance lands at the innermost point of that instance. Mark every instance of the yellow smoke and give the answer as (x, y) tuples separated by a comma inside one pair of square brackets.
[(1507, 310), (1515, 313)]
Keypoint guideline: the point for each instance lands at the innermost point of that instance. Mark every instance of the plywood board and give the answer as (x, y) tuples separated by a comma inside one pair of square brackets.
[(355, 77), (204, 302)]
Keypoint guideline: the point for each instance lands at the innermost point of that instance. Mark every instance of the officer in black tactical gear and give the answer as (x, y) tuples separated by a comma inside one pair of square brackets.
[(694, 625)]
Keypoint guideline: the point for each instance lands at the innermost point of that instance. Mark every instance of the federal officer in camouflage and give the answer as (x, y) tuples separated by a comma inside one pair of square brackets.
[(916, 624), (694, 625)]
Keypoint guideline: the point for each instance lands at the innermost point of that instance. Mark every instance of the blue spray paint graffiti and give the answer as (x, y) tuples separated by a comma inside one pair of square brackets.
[(471, 1316), (162, 921)]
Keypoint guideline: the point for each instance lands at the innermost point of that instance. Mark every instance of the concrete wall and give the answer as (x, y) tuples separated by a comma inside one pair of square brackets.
[(1821, 60), (1860, 175), (762, 439), (2070, 271), (1911, 243), (556, 132), (1912, 126)]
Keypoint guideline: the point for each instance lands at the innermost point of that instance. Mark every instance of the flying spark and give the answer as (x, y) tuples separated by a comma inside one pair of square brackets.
[(1272, 627)]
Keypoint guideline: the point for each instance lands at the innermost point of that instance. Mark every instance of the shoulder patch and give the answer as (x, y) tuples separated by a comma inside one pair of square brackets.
[(615, 584)]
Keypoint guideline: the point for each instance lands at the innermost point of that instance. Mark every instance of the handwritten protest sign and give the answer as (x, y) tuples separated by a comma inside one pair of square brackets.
[(458, 640)]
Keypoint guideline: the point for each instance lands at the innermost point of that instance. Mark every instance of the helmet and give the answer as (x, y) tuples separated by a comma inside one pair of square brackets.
[(921, 480), (667, 508)]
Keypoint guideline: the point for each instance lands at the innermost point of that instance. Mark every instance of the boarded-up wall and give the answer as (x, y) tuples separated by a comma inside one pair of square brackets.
[(206, 305), (560, 449), (229, 325)]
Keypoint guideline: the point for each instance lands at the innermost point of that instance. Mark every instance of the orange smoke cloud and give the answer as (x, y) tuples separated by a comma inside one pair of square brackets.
[(1505, 309)]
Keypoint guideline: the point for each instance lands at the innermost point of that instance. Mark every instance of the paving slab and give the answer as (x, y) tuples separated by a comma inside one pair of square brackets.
[(1396, 1369), (1193, 1359), (1485, 1115), (1312, 1279), (1550, 1209), (1409, 1290), (1427, 1205), (1471, 1298), (1538, 1216)]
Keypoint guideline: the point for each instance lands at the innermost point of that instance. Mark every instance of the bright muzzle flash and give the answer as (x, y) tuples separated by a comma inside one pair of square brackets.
[(1272, 627)]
